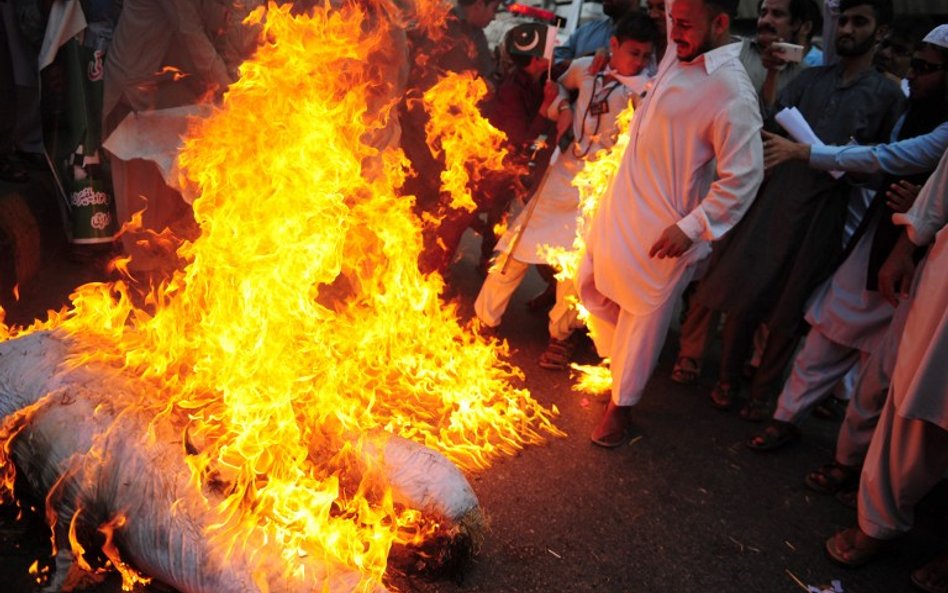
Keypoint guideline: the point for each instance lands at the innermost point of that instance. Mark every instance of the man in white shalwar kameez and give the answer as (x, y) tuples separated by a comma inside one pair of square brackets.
[(655, 223), (909, 451)]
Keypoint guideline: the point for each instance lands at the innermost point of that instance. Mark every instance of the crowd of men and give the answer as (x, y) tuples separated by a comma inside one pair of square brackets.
[(807, 253), (818, 258)]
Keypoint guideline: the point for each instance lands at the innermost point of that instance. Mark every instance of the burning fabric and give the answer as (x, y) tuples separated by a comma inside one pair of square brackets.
[(278, 413)]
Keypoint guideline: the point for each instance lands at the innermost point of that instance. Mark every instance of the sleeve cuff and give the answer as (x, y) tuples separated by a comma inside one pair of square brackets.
[(823, 157), (692, 225)]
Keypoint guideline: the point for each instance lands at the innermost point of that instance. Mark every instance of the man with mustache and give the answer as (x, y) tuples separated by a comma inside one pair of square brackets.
[(792, 21), (690, 171), (792, 237)]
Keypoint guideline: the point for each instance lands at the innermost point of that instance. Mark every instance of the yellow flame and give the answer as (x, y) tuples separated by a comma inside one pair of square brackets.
[(592, 181), (299, 321), (471, 146), (130, 577), (592, 378)]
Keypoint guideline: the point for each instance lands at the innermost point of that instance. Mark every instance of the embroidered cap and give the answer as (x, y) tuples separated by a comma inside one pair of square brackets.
[(938, 36)]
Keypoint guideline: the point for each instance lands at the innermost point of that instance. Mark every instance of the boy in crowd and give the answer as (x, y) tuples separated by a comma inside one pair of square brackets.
[(552, 220)]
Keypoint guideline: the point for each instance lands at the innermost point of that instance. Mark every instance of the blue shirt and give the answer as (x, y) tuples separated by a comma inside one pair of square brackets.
[(906, 157), (814, 57), (585, 40)]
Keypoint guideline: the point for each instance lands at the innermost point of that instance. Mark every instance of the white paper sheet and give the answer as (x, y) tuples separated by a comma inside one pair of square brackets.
[(796, 125)]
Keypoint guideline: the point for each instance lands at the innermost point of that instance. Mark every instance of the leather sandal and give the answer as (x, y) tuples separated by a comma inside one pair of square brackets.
[(557, 355), (686, 370), (832, 478), (854, 548), (775, 435), (723, 395), (615, 427)]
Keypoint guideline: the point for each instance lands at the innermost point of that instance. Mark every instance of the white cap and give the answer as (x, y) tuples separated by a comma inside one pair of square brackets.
[(938, 36)]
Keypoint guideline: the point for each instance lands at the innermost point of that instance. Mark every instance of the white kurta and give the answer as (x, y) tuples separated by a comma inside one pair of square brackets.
[(843, 310), (552, 222), (920, 378), (700, 119)]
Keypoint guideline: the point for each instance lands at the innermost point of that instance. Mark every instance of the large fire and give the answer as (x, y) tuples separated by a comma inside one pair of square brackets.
[(592, 181), (299, 322)]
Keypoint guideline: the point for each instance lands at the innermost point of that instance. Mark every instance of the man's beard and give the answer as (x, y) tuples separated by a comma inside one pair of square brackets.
[(703, 48), (857, 50)]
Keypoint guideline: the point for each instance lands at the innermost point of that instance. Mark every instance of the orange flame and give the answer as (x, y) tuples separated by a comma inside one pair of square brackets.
[(592, 181), (471, 146), (300, 321)]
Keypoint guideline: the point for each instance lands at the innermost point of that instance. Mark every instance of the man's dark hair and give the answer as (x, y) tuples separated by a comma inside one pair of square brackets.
[(726, 6), (802, 11), (636, 27), (521, 61), (881, 8), (907, 31), (808, 11)]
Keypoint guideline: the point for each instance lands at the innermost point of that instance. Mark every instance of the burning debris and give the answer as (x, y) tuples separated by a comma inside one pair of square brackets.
[(278, 414)]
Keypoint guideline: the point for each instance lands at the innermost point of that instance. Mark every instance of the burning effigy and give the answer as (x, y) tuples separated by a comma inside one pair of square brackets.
[(291, 407)]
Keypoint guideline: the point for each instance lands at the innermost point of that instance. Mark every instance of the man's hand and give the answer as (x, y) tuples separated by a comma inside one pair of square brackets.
[(673, 243), (896, 274), (771, 59), (901, 196), (778, 149)]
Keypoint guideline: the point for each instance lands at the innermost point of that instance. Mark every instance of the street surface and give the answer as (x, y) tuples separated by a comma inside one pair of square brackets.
[(685, 508)]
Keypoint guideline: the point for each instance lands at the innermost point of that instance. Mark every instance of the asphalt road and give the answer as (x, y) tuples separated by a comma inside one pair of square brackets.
[(685, 508)]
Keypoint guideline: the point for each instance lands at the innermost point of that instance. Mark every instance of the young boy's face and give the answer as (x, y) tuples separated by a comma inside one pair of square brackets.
[(629, 57)]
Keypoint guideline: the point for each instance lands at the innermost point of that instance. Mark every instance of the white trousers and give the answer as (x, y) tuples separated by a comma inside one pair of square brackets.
[(906, 459), (494, 298), (865, 407), (633, 343), (819, 366)]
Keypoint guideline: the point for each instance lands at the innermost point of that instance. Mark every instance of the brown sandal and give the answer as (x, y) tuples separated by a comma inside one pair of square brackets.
[(854, 548), (686, 370), (832, 478), (558, 355), (724, 395), (775, 435)]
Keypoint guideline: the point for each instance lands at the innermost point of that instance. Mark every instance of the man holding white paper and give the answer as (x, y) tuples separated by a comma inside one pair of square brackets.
[(790, 240)]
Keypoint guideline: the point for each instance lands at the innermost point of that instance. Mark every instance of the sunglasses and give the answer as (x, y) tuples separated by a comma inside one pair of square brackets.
[(921, 66)]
